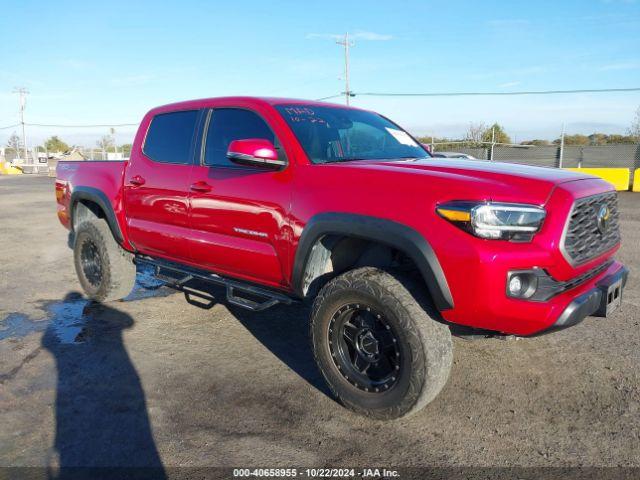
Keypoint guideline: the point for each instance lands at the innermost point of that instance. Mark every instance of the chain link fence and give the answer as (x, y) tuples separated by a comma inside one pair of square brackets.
[(569, 156)]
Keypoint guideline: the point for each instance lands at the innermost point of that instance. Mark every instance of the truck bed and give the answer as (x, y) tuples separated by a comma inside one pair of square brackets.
[(103, 176)]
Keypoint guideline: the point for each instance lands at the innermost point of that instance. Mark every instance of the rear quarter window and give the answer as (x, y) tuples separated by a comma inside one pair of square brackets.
[(170, 137)]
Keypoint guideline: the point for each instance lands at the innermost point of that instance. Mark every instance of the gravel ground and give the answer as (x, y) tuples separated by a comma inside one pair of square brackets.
[(154, 381)]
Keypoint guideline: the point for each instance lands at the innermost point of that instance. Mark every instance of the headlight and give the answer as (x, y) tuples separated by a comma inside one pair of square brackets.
[(501, 221)]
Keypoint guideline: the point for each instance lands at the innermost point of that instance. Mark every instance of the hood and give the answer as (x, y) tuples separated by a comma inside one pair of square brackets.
[(491, 170), (481, 179)]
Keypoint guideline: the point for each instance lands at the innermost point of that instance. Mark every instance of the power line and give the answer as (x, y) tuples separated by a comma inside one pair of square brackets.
[(328, 98), (374, 94), (474, 94), (479, 94)]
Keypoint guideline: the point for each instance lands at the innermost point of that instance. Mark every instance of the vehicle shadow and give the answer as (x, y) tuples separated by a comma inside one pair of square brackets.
[(284, 330), (102, 426)]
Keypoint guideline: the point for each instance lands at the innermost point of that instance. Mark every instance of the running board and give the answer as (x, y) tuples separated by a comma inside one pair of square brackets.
[(177, 276)]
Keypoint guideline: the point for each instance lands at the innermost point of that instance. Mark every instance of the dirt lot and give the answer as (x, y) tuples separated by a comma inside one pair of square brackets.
[(154, 381)]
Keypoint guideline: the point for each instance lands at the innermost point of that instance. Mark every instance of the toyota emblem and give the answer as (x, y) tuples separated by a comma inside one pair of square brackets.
[(602, 218)]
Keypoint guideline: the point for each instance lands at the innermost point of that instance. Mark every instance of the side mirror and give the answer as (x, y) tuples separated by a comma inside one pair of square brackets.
[(255, 152)]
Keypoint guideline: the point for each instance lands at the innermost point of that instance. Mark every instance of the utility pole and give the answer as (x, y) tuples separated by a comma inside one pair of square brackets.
[(346, 43), (561, 147), (22, 92), (113, 137), (493, 140)]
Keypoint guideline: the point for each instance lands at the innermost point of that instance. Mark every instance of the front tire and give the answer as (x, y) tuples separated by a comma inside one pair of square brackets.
[(379, 351), (106, 271)]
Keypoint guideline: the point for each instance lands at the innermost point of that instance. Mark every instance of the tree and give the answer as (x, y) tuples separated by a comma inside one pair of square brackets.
[(617, 138), (14, 142), (574, 140), (634, 130), (537, 143), (54, 144), (598, 139), (475, 132), (495, 133), (105, 143), (126, 149)]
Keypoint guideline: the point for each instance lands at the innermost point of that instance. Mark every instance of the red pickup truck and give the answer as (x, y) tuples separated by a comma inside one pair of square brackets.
[(280, 200)]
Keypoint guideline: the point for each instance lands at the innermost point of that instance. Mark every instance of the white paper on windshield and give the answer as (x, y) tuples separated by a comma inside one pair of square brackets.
[(402, 137)]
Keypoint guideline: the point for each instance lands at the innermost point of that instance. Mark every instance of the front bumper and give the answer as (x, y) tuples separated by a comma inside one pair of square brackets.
[(594, 302), (486, 305), (478, 270)]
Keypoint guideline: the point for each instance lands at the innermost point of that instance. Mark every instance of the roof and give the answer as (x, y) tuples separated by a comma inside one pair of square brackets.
[(204, 102)]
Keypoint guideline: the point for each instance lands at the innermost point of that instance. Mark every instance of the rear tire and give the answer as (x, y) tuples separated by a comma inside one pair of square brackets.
[(380, 352), (106, 271)]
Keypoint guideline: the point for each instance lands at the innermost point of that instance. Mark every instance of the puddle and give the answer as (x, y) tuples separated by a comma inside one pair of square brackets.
[(68, 318), (147, 285), (19, 325)]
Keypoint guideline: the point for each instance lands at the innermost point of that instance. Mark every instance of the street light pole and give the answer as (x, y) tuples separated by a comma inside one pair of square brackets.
[(347, 44)]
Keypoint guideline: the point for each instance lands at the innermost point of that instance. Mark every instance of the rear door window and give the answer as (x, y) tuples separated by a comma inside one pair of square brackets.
[(170, 137)]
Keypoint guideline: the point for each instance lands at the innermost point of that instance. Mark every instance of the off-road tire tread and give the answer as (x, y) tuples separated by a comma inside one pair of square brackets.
[(119, 271), (429, 340)]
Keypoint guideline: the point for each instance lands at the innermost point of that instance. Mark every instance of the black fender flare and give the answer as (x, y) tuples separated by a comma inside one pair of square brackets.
[(388, 232), (98, 197)]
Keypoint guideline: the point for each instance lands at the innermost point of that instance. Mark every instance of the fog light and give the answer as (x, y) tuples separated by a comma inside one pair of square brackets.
[(522, 284), (515, 285)]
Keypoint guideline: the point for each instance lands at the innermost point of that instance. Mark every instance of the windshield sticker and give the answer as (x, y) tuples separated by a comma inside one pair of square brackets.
[(402, 137), (303, 114)]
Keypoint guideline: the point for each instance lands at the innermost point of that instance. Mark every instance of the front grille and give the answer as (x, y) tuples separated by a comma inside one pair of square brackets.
[(574, 282), (583, 239)]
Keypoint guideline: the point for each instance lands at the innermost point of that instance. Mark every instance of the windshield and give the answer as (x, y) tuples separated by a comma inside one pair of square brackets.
[(334, 134)]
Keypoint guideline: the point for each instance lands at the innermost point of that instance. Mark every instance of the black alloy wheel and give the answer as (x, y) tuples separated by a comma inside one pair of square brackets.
[(364, 348), (91, 262)]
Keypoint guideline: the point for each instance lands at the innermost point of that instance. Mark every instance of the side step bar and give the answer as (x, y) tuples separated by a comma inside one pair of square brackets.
[(177, 276)]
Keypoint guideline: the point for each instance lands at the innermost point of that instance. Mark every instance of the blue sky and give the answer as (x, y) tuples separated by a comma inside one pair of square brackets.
[(109, 62)]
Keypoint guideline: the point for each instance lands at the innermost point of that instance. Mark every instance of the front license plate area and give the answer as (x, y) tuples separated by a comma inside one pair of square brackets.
[(611, 298)]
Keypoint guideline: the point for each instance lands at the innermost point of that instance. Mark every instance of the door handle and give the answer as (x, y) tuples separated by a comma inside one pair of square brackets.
[(136, 180), (201, 187)]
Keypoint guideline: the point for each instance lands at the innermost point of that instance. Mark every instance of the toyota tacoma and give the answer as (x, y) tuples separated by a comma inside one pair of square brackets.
[(279, 200)]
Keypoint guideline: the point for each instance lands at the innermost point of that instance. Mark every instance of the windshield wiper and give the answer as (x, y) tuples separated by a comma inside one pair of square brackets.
[(352, 159)]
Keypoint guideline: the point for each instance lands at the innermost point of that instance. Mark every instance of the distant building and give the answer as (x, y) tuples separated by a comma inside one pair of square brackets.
[(115, 156)]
